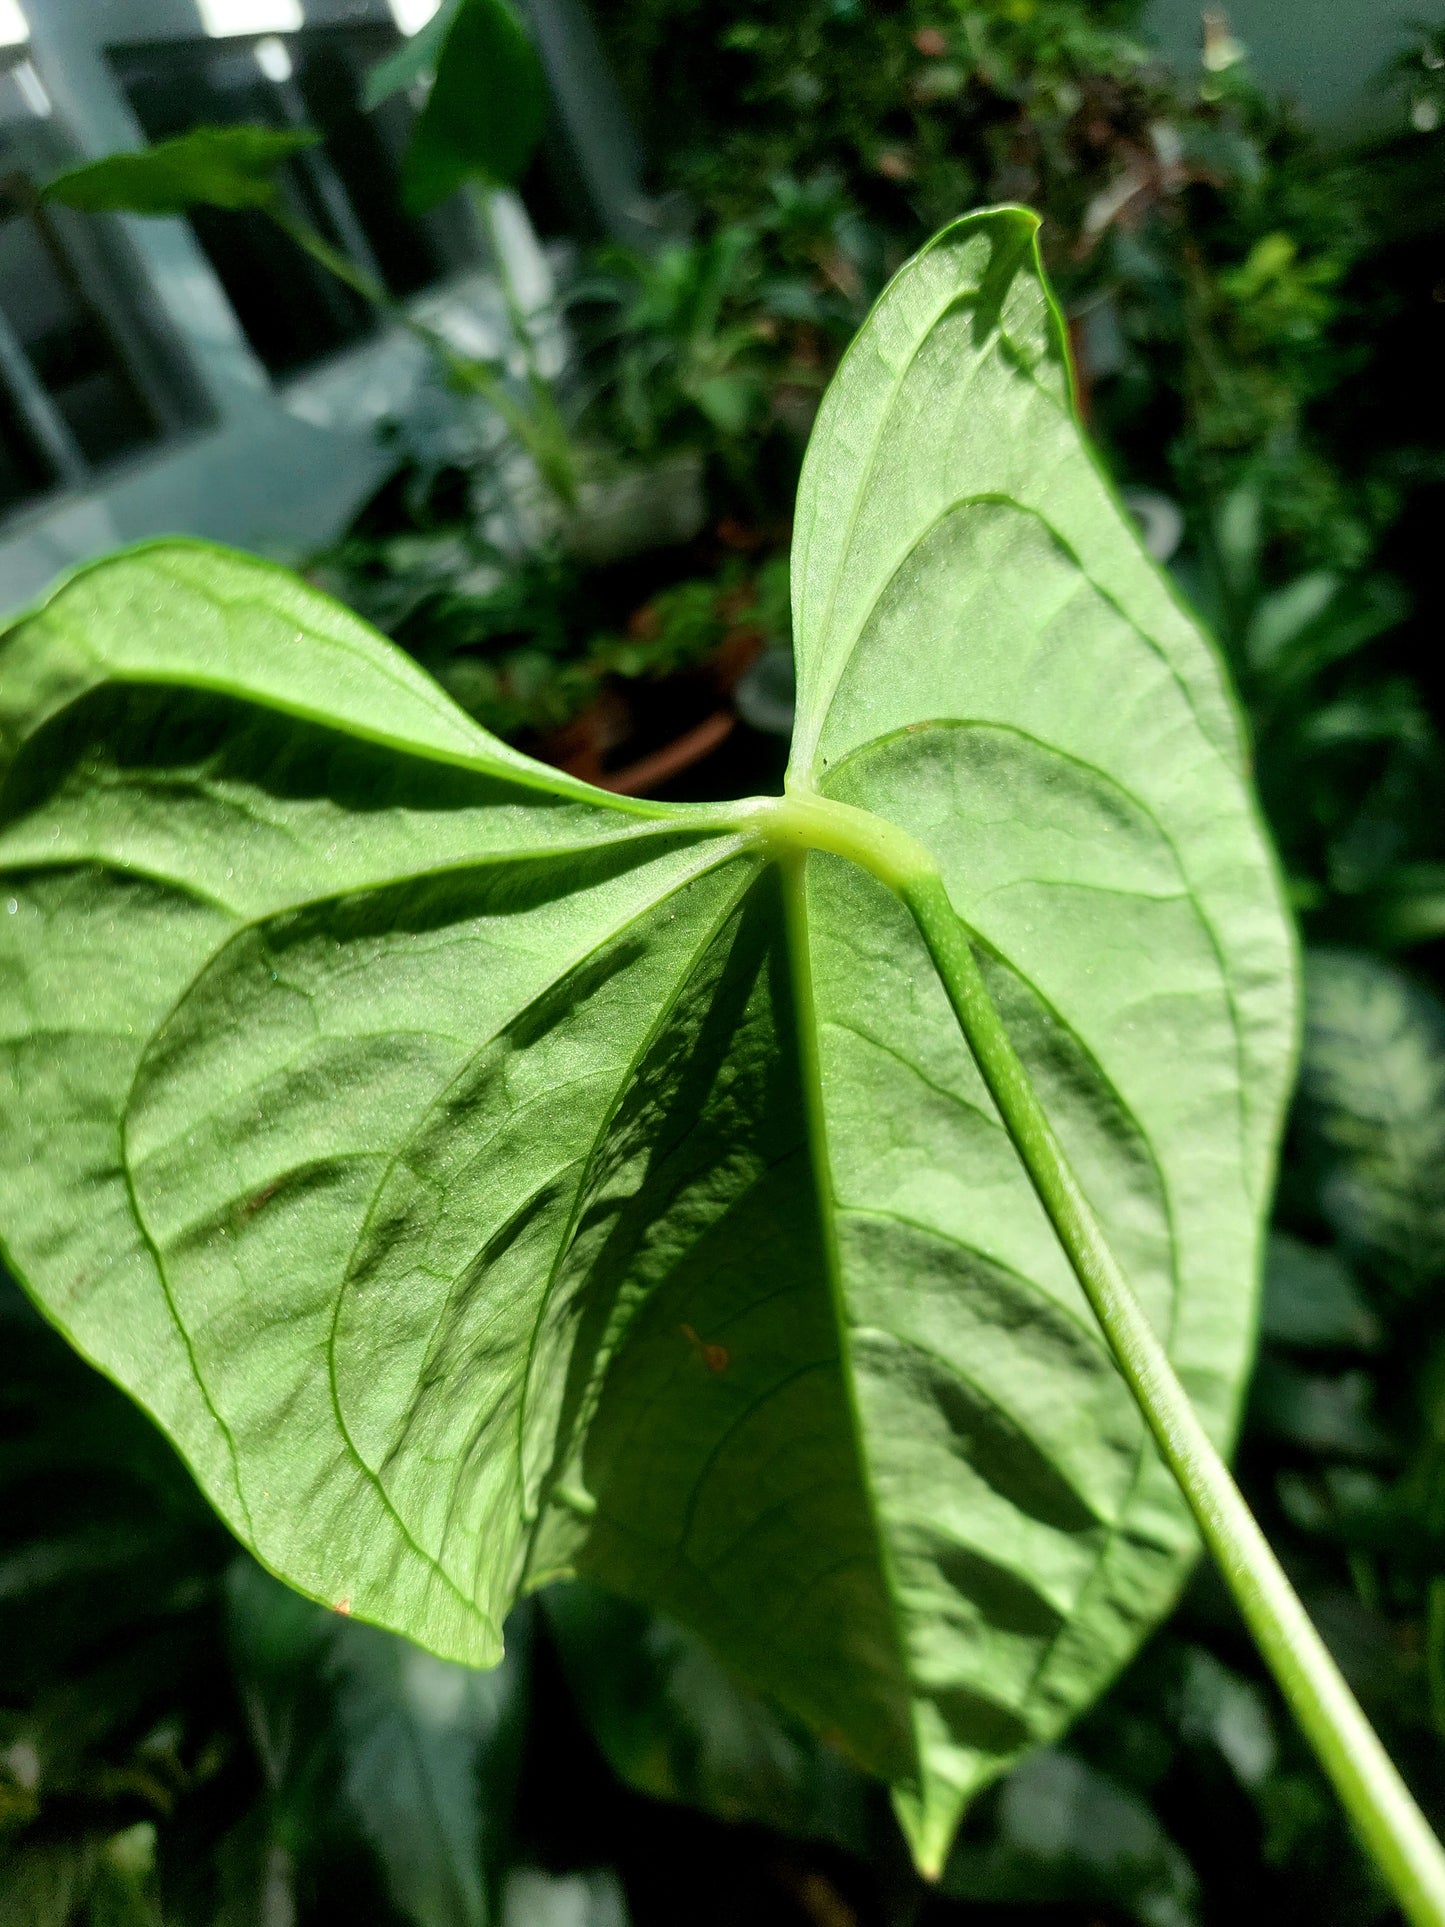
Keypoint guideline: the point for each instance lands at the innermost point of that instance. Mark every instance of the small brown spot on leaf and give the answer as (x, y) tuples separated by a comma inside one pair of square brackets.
[(717, 1358), (343, 1606), (262, 1197)]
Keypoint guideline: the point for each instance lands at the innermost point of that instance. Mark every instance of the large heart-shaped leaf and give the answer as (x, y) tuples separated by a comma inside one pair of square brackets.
[(481, 1178)]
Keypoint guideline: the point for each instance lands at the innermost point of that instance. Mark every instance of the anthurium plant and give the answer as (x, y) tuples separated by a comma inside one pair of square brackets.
[(832, 1220)]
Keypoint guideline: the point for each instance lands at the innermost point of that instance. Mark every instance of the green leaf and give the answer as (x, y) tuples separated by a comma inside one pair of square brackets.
[(415, 59), (486, 110), (1318, 619), (674, 1724), (1067, 1832), (1372, 1091), (230, 167), (1331, 1416), (482, 1178), (432, 1754), (1229, 1712), (1310, 1300), (1409, 908), (426, 1752), (123, 1895)]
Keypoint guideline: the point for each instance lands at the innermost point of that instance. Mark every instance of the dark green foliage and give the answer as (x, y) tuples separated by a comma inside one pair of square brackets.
[(1372, 1106), (673, 1723), (484, 115)]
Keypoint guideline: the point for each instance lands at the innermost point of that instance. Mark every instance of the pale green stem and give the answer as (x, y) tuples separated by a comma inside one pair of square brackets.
[(1373, 1794), (557, 464), (484, 201), (540, 441)]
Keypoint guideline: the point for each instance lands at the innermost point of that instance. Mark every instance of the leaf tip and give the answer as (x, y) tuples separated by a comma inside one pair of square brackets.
[(928, 1815)]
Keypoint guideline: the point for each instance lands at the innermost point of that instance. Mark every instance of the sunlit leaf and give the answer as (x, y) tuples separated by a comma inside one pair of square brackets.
[(481, 1177)]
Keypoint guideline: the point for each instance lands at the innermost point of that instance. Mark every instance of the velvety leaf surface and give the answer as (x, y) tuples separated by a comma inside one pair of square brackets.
[(230, 167), (483, 1179)]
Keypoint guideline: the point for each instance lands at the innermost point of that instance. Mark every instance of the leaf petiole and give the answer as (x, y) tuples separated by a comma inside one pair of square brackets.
[(1366, 1779)]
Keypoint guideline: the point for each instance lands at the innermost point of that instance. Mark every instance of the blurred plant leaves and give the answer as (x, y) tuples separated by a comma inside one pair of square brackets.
[(104, 1881), (424, 1753), (227, 167), (1065, 1832), (42, 1883), (487, 106), (414, 60), (1319, 1413), (1316, 620), (533, 1898), (1310, 1300), (1410, 907), (432, 1754), (673, 1723), (1372, 1112), (1228, 1711), (108, 1708)]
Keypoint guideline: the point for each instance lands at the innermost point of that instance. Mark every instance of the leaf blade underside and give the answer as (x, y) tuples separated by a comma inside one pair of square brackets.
[(986, 658), (480, 1178)]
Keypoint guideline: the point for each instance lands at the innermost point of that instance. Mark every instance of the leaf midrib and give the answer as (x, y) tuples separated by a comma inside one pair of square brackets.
[(793, 877)]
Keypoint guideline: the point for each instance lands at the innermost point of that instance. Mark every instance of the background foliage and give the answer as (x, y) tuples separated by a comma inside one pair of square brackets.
[(1257, 319)]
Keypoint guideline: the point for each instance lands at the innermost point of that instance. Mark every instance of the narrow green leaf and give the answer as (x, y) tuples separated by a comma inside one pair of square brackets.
[(481, 1178), (486, 110), (1372, 1089), (230, 167)]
